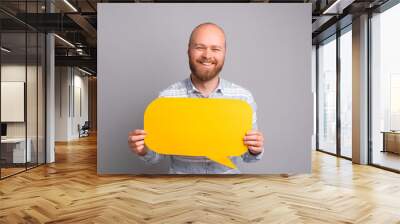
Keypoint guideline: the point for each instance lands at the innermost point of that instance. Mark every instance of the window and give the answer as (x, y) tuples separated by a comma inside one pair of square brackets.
[(327, 96), (22, 66), (346, 93), (385, 88)]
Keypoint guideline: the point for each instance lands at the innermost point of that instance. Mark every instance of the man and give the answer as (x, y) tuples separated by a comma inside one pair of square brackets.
[(206, 51)]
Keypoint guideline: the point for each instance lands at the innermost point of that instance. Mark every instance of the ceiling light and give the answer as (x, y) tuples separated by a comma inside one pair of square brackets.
[(331, 7), (64, 40), (338, 6), (84, 71), (5, 50), (70, 5)]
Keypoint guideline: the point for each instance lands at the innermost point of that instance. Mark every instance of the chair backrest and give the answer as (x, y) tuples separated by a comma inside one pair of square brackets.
[(86, 125)]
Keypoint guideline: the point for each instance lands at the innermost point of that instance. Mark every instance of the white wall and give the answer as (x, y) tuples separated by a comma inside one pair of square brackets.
[(16, 72), (70, 83), (79, 112), (62, 80)]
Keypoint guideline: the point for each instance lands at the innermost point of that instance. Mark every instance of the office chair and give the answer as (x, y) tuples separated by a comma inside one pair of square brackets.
[(84, 130)]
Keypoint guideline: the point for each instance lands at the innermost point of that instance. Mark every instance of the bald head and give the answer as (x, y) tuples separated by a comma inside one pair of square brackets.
[(208, 29), (206, 51)]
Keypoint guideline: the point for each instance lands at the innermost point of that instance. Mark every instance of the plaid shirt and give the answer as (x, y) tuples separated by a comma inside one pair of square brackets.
[(201, 164)]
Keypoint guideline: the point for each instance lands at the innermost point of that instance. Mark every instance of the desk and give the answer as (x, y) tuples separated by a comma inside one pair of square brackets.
[(16, 147), (391, 141)]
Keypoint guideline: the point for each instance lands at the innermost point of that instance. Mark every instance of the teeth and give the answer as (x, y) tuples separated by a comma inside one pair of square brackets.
[(206, 63)]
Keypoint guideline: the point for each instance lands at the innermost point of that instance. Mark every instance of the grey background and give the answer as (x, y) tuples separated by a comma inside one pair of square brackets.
[(142, 49)]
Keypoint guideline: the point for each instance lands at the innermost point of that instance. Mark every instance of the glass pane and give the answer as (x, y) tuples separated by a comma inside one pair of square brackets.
[(22, 88), (41, 98), (313, 80), (386, 89), (346, 93), (327, 96), (31, 100), (14, 153)]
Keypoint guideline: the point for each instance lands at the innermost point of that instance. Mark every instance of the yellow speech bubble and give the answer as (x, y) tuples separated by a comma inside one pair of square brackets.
[(198, 127)]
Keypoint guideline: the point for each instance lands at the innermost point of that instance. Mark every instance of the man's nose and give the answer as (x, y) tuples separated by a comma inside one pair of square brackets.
[(207, 53)]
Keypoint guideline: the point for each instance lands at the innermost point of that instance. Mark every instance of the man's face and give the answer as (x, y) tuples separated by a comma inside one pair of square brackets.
[(206, 52)]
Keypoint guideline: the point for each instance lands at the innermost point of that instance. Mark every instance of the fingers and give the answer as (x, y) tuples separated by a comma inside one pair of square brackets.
[(140, 148), (139, 144), (139, 132), (253, 143), (136, 138), (253, 138), (253, 132), (136, 135), (255, 150), (136, 141), (137, 148)]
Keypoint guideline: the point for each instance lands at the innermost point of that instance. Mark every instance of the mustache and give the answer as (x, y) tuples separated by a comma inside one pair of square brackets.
[(207, 61)]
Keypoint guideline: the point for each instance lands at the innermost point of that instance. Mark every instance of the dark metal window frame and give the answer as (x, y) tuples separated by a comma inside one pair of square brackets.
[(334, 37), (387, 5), (44, 76)]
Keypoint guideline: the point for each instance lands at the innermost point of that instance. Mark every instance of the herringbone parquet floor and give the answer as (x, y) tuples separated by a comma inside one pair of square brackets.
[(70, 191)]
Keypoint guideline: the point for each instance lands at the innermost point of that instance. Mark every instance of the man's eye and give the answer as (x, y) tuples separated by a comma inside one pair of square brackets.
[(216, 49)]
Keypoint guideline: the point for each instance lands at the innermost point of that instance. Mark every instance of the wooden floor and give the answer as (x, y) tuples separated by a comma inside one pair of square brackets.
[(387, 159), (5, 172), (70, 191)]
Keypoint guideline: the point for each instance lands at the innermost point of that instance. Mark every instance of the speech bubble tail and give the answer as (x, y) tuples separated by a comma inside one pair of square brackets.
[(224, 161)]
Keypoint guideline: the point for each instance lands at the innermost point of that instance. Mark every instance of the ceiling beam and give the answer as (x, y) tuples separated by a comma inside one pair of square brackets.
[(84, 61)]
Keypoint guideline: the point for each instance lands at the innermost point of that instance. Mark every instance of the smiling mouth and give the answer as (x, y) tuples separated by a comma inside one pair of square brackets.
[(206, 63)]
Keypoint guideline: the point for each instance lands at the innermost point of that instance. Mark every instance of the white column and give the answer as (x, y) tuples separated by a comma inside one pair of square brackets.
[(50, 92), (50, 100), (360, 90)]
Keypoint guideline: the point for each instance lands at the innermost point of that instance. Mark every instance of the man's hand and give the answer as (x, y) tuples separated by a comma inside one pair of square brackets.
[(254, 141), (136, 142)]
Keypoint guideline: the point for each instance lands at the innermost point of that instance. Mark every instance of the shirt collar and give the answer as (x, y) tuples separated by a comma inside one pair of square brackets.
[(192, 89)]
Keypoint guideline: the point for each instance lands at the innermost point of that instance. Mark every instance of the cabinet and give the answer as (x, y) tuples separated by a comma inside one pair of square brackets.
[(391, 142), (13, 150)]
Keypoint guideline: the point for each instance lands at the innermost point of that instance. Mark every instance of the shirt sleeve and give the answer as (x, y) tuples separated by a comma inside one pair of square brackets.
[(248, 157), (152, 157)]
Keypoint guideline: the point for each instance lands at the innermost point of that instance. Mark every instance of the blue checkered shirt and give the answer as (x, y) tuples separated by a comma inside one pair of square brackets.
[(200, 164)]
